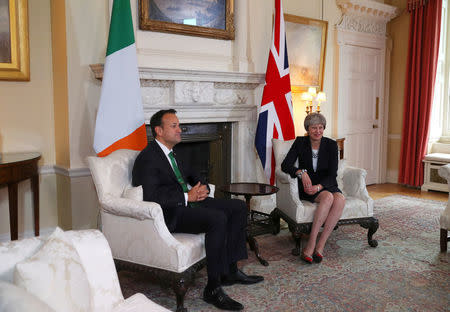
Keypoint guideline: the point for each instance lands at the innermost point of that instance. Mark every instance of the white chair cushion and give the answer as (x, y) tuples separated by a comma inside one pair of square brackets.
[(440, 157), (167, 251), (136, 193), (55, 275), (112, 173), (139, 303), (16, 251), (280, 150), (16, 299)]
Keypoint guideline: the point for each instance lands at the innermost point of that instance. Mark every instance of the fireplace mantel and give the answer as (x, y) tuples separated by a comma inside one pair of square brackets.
[(198, 96), (207, 97)]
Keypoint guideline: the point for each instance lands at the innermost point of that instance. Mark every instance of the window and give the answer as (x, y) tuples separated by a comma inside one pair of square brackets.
[(440, 114)]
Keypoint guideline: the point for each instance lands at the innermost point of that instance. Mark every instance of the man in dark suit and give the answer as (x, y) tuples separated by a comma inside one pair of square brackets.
[(164, 179)]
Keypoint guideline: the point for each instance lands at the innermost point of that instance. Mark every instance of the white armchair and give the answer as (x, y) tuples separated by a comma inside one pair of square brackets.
[(58, 272), (444, 220), (299, 213), (136, 231)]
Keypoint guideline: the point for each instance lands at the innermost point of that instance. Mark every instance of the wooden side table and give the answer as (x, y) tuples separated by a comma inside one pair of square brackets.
[(249, 190), (16, 167)]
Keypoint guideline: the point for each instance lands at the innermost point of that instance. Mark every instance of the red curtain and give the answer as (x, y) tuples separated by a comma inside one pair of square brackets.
[(424, 31)]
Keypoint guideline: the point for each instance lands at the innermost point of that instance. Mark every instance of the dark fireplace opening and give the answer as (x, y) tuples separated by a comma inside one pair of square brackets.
[(207, 148)]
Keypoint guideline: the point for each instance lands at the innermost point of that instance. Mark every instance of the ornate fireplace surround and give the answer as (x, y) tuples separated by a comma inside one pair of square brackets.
[(207, 97)]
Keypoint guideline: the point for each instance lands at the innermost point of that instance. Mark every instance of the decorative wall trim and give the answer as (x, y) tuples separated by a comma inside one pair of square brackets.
[(188, 75), (366, 16), (71, 173)]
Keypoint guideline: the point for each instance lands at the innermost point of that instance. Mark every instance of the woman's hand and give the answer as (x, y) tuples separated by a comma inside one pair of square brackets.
[(313, 189), (306, 181)]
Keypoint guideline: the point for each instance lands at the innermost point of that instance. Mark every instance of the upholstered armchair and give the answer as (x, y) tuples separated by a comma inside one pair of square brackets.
[(66, 271), (299, 214), (444, 220), (136, 231)]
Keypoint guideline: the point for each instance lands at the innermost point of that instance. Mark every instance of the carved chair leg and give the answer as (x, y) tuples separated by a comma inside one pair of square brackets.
[(372, 225), (180, 288), (275, 219), (444, 240), (297, 236)]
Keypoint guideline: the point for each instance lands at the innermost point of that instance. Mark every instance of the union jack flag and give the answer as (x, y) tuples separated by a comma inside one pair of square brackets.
[(276, 114)]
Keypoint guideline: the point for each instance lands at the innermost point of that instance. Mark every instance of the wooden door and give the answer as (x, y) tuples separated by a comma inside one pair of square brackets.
[(361, 69)]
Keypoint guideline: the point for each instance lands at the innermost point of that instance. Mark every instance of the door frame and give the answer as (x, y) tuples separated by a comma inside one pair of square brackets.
[(365, 40)]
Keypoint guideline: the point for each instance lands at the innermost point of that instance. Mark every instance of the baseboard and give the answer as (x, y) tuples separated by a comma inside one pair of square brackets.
[(72, 173), (6, 237)]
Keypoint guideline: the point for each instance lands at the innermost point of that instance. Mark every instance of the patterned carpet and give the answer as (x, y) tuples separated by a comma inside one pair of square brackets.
[(406, 272)]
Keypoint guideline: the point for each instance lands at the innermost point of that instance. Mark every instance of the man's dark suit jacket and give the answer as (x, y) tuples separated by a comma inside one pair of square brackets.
[(153, 171), (327, 163)]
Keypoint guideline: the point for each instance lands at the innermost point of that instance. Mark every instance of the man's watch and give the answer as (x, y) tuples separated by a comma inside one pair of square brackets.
[(299, 175)]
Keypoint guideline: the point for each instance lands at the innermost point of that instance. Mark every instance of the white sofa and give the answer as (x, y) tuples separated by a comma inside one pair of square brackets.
[(67, 271), (299, 214), (444, 220)]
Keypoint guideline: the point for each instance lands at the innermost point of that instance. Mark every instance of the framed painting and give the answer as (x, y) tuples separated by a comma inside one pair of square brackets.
[(306, 43), (205, 18), (14, 48)]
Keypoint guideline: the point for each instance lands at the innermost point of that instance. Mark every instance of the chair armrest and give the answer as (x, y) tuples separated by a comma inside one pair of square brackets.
[(96, 258), (282, 177), (288, 200), (354, 183), (130, 208)]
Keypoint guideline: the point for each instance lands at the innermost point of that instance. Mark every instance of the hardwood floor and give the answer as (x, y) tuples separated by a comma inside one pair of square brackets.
[(377, 191)]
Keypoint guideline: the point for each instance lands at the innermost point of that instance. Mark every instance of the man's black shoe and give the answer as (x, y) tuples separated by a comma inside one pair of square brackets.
[(241, 278), (220, 300)]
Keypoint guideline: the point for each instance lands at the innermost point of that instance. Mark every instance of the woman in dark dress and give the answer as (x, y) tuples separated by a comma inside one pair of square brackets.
[(317, 170)]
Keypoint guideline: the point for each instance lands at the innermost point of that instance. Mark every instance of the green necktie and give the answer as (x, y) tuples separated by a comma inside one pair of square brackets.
[(177, 172), (180, 179)]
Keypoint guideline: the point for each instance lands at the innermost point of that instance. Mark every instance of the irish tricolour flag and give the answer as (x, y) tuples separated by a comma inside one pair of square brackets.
[(120, 117)]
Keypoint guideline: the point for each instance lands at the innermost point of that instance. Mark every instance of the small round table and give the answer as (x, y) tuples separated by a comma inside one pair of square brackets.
[(248, 190), (16, 167)]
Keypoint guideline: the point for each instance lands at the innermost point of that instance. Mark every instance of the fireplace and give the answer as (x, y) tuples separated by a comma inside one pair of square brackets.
[(207, 148), (208, 103)]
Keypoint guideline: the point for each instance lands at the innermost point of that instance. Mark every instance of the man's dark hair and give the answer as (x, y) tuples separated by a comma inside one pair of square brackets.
[(156, 119)]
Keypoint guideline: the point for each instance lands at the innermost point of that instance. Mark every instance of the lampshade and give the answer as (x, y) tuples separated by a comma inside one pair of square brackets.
[(321, 97), (306, 96), (312, 91)]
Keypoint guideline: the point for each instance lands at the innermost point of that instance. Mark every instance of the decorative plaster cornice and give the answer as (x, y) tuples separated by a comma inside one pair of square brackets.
[(366, 16)]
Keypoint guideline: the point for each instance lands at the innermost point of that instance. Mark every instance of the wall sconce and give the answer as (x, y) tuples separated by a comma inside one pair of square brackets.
[(307, 97), (312, 96), (321, 97)]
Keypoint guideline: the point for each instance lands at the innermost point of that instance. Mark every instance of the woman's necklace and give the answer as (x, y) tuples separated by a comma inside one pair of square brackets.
[(315, 154)]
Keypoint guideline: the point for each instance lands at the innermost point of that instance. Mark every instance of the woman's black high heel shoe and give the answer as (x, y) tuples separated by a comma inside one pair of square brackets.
[(317, 257)]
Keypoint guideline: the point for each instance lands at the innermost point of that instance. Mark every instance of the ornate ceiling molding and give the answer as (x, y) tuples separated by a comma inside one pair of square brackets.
[(366, 16)]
